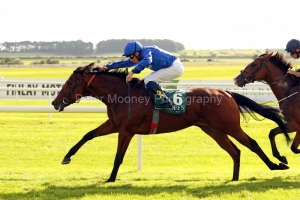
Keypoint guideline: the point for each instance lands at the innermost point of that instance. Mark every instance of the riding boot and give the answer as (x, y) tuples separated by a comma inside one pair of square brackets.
[(160, 99)]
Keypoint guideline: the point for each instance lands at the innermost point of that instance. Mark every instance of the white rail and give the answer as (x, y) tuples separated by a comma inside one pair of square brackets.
[(58, 89), (50, 109), (29, 89), (211, 83)]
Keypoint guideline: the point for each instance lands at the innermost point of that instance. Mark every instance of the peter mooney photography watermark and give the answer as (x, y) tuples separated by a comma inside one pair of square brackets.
[(146, 99)]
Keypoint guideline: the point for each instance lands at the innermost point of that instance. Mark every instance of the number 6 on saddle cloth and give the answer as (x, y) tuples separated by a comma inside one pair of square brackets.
[(169, 101)]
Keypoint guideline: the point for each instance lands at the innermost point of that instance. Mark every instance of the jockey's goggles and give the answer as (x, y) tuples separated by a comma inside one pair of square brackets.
[(292, 52), (131, 56)]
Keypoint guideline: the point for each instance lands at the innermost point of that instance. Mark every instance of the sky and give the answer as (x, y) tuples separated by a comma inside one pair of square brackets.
[(197, 24)]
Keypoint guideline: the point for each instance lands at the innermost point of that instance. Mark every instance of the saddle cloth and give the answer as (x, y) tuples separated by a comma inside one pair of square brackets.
[(178, 98)]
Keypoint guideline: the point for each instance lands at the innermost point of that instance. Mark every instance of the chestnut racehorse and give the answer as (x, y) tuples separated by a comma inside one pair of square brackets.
[(272, 70), (218, 116)]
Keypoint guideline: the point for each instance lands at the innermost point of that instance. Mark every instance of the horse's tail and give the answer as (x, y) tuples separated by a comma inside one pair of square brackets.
[(249, 106)]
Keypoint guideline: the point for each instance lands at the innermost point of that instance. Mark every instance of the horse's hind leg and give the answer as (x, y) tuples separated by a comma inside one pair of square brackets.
[(104, 129), (226, 144), (247, 141)]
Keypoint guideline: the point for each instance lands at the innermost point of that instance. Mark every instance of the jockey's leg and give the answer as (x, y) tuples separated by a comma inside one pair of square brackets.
[(160, 99), (166, 74)]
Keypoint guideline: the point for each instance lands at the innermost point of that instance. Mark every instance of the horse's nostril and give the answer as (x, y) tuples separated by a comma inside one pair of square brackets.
[(65, 101)]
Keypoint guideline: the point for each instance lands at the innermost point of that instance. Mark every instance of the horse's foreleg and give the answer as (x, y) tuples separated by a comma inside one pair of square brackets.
[(275, 151), (296, 142), (123, 143), (104, 129), (291, 127), (118, 161)]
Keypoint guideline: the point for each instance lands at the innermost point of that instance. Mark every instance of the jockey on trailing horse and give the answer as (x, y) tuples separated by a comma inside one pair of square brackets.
[(164, 65), (293, 48)]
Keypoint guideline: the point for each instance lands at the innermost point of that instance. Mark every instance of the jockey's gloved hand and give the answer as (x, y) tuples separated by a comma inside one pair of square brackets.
[(102, 68)]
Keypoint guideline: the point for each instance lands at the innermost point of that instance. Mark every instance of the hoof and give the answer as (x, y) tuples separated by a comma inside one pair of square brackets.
[(66, 161), (284, 160), (109, 181), (283, 166)]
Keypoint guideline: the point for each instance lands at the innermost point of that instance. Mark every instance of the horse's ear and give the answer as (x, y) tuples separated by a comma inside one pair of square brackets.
[(268, 55), (90, 65)]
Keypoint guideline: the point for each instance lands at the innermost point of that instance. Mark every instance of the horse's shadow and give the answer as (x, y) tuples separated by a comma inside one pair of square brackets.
[(73, 192)]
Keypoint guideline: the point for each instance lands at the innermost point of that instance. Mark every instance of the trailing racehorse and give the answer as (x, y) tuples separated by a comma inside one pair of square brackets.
[(216, 112), (271, 69)]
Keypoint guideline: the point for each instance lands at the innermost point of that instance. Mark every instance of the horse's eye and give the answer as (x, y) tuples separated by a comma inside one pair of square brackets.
[(69, 83), (253, 64)]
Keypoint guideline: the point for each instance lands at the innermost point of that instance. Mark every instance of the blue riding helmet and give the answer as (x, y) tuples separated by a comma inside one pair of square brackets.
[(131, 48), (292, 45)]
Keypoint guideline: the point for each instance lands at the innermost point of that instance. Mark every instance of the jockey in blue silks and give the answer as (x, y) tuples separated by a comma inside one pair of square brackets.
[(164, 65)]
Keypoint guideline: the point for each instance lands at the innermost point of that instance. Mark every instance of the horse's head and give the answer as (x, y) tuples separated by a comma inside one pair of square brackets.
[(255, 71), (74, 88)]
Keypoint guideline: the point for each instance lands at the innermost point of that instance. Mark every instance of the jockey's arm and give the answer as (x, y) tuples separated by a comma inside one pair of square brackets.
[(120, 64), (290, 71), (145, 62)]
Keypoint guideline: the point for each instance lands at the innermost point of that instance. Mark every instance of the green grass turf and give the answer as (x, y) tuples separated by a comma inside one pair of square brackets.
[(186, 164)]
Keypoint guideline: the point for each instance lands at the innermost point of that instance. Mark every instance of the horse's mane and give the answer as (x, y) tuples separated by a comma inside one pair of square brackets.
[(279, 60), (120, 72)]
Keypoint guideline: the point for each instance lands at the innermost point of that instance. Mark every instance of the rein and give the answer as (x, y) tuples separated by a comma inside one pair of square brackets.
[(129, 108), (288, 96), (278, 80), (90, 81)]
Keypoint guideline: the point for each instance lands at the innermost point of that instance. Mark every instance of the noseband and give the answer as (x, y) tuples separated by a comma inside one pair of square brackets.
[(67, 99)]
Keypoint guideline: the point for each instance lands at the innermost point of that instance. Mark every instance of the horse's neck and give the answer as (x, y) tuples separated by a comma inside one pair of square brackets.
[(108, 91), (280, 83), (114, 90)]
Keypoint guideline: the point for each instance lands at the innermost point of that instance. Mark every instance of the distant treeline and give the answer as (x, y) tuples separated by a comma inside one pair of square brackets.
[(116, 46), (79, 47)]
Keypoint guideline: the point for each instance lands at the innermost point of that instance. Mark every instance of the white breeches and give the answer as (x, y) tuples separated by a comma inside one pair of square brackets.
[(166, 74)]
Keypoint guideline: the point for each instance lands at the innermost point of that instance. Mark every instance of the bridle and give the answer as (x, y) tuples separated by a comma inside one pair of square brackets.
[(249, 78), (67, 99), (264, 64)]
